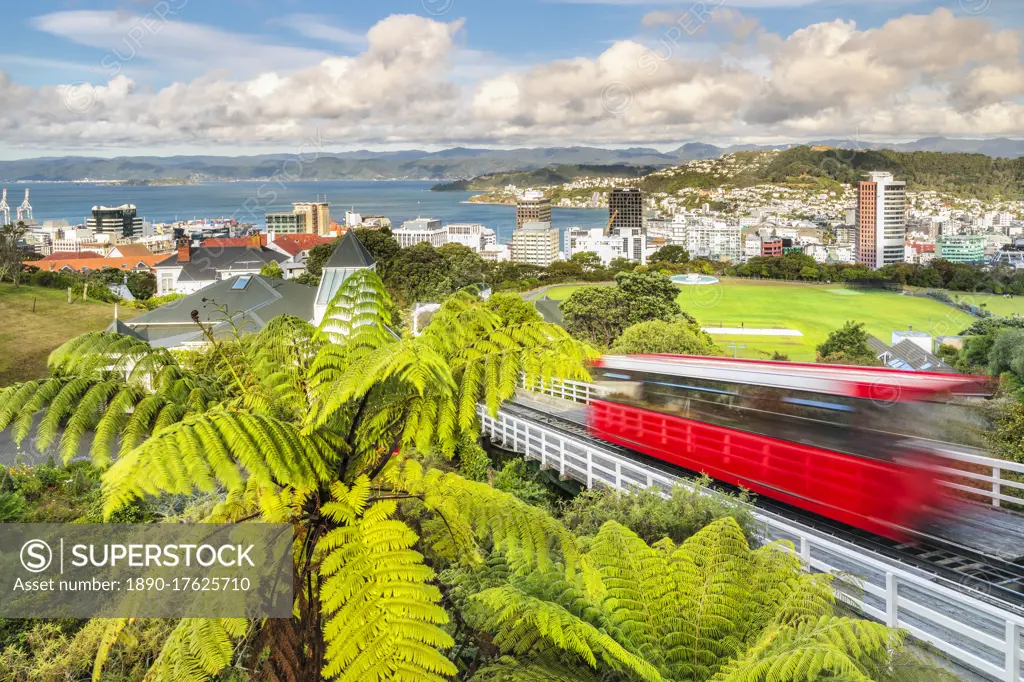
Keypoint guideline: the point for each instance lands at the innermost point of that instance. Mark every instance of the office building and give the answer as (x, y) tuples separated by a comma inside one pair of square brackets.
[(715, 241), (535, 243), (288, 222), (533, 207), (881, 220), (594, 240), (116, 221), (429, 230), (472, 235), (318, 216), (964, 248), (626, 208)]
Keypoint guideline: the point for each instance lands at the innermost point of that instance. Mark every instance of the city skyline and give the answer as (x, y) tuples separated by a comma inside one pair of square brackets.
[(181, 77)]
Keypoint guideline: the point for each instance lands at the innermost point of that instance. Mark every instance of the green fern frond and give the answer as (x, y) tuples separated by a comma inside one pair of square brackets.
[(382, 614), (197, 649), (521, 623), (829, 647), (537, 669), (222, 449)]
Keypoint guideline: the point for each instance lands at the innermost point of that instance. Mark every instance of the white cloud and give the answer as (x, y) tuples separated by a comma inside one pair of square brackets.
[(125, 40), (413, 84), (318, 27)]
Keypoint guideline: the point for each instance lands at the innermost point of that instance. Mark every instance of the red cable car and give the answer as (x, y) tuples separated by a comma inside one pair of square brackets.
[(854, 444)]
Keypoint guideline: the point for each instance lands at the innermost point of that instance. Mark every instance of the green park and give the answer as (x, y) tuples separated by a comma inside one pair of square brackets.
[(815, 310)]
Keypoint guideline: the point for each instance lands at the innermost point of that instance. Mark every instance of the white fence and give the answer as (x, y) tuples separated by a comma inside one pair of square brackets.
[(967, 629), (984, 478)]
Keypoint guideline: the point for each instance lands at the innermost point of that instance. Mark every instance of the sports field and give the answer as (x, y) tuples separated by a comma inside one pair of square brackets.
[(997, 305), (813, 309)]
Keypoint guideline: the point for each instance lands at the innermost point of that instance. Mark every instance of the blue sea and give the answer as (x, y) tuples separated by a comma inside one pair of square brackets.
[(248, 201)]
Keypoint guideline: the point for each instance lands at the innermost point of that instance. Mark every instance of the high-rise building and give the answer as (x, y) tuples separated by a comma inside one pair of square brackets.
[(535, 243), (533, 207), (288, 222), (318, 216), (116, 221), (626, 208), (881, 220), (429, 230)]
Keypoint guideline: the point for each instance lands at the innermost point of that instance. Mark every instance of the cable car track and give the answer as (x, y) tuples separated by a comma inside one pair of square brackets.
[(992, 579)]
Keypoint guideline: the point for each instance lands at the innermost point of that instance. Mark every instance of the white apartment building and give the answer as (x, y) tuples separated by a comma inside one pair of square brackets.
[(536, 243), (472, 235), (607, 247), (752, 246), (717, 241), (881, 220), (429, 230)]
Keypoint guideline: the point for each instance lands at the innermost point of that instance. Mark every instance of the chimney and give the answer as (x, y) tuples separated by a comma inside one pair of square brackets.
[(254, 241), (270, 237), (184, 251)]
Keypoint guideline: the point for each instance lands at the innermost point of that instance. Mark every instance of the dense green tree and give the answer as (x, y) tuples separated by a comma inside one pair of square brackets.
[(272, 270), (512, 309), (847, 345), (563, 271), (672, 253), (463, 266), (324, 429), (419, 273), (1006, 356), (588, 260), (11, 252), (681, 337), (600, 314), (1007, 436)]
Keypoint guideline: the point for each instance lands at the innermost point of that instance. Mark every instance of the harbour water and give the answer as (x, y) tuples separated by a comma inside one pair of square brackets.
[(248, 201)]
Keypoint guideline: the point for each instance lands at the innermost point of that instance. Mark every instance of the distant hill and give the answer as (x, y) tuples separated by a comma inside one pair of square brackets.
[(450, 164), (554, 175), (971, 175)]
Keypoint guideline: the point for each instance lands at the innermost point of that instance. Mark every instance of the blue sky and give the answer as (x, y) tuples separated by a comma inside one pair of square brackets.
[(117, 67)]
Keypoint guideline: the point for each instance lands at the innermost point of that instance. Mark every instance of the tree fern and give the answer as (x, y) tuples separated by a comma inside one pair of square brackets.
[(382, 615), (218, 450)]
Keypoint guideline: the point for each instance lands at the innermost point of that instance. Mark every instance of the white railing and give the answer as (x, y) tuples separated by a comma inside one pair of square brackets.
[(985, 478), (968, 630), (576, 391)]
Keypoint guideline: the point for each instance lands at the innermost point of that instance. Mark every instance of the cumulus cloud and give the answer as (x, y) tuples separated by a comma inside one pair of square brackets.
[(413, 83)]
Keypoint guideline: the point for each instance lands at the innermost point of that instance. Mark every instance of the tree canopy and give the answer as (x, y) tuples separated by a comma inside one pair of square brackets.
[(682, 337), (599, 315), (848, 345)]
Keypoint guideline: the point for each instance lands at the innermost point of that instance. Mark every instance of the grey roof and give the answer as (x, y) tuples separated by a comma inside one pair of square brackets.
[(907, 355), (350, 253), (263, 299), (206, 262), (549, 310), (911, 332)]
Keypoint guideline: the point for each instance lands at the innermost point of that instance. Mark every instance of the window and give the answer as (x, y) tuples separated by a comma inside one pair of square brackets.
[(241, 283)]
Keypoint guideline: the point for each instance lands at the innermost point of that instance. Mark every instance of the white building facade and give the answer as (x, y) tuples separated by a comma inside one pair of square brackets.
[(429, 230)]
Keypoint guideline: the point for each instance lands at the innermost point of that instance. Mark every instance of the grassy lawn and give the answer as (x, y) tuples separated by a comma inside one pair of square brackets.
[(814, 309), (26, 338), (1007, 307)]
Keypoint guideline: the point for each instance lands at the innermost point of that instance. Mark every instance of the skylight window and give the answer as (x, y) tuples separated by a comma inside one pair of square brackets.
[(241, 283)]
